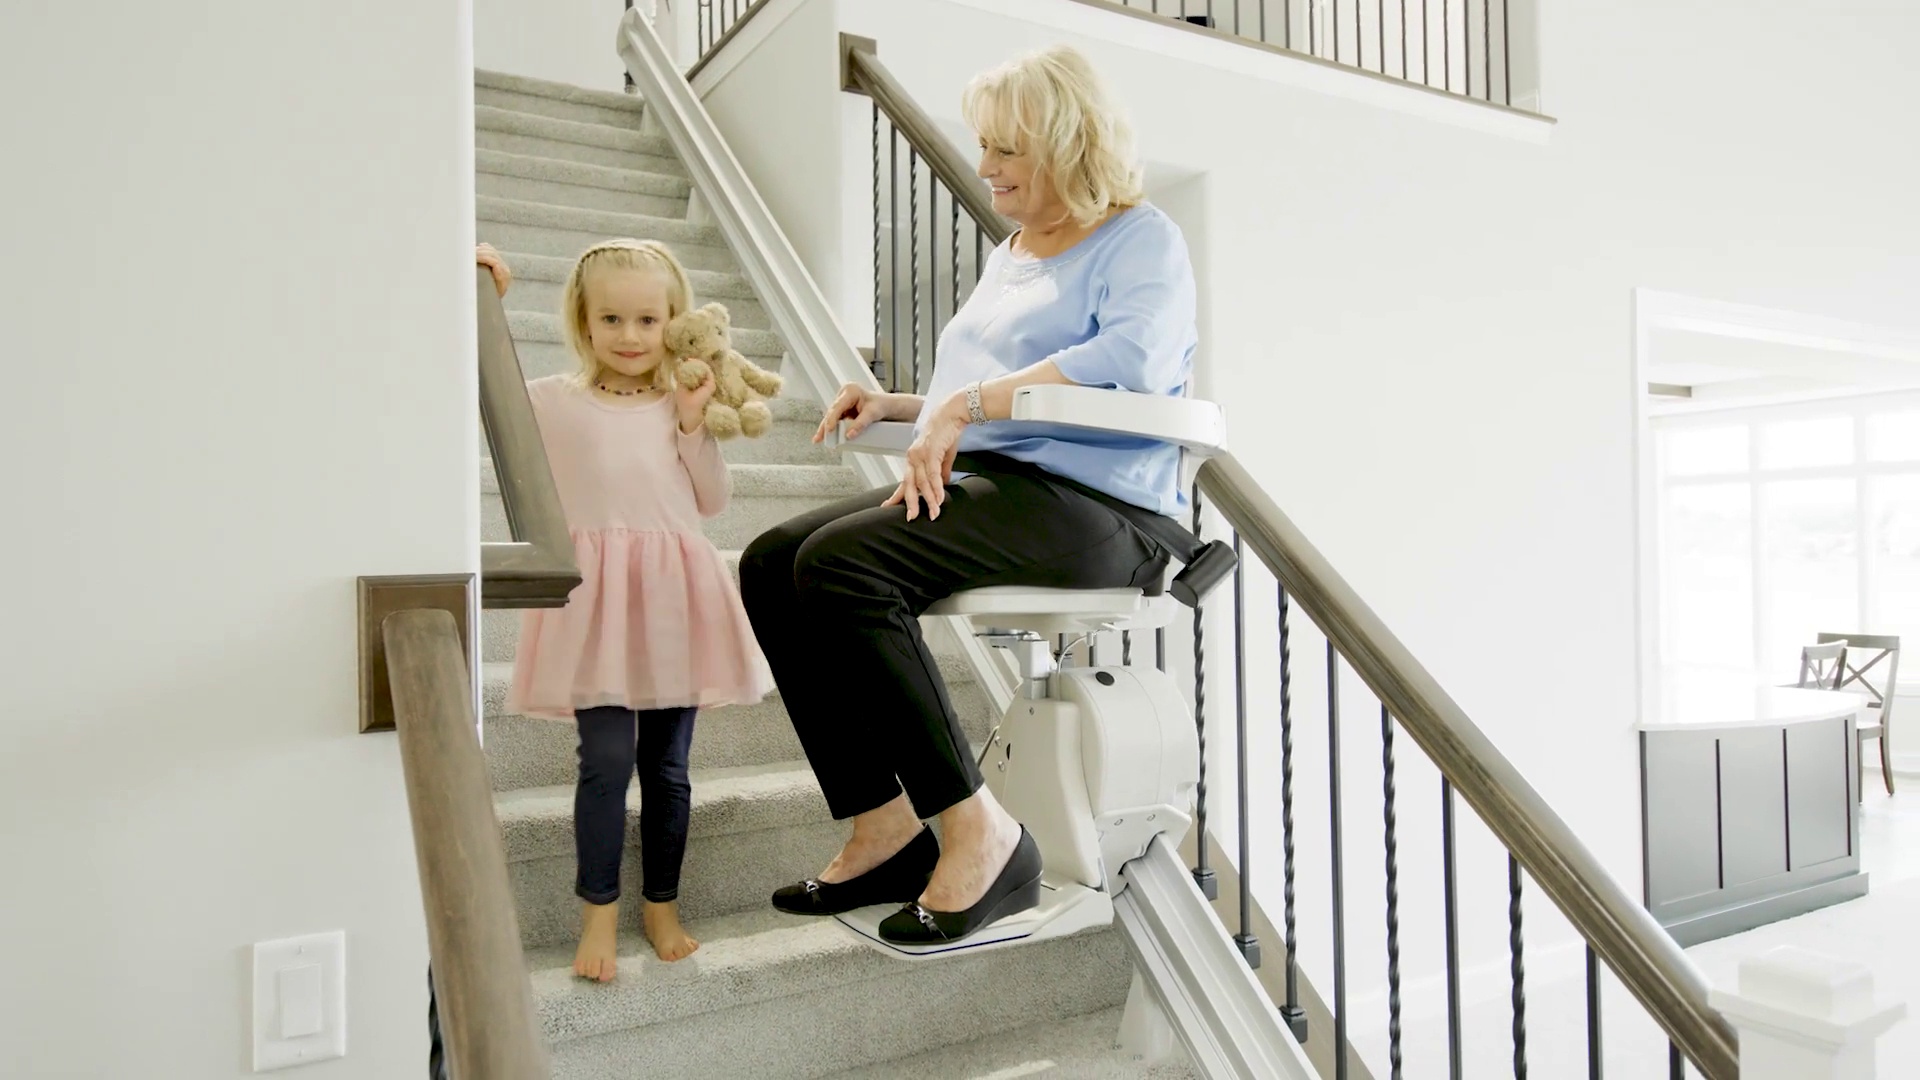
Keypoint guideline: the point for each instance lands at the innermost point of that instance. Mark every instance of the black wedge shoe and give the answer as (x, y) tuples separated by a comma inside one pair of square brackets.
[(900, 878), (1014, 891)]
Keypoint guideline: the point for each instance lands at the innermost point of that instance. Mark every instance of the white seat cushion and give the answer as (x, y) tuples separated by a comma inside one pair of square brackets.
[(1058, 611)]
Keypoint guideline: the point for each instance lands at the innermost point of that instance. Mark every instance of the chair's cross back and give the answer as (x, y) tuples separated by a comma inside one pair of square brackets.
[(1885, 650), (1821, 666)]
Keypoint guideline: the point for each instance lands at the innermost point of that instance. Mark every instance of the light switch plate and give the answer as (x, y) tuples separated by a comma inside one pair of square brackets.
[(299, 1001)]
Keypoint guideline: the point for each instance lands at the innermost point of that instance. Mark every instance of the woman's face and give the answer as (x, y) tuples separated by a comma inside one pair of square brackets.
[(1020, 191)]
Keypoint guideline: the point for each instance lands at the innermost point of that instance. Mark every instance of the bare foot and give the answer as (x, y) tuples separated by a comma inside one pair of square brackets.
[(599, 941), (878, 835), (661, 924), (977, 837)]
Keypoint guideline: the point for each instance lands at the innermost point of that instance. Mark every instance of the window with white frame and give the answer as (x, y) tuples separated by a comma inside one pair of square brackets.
[(1781, 523)]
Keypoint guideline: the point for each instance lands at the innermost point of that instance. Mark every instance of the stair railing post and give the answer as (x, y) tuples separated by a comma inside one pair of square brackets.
[(1805, 1016)]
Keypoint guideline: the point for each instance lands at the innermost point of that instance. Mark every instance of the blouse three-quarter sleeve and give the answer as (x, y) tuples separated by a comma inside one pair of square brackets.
[(1144, 310), (712, 483)]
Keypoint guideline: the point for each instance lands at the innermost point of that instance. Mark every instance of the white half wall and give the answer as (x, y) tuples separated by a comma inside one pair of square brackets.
[(240, 341), (569, 41), (1420, 312)]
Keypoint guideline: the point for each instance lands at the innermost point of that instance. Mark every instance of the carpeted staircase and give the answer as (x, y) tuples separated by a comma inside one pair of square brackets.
[(768, 996)]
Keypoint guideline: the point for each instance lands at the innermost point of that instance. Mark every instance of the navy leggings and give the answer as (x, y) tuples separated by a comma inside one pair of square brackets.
[(613, 743)]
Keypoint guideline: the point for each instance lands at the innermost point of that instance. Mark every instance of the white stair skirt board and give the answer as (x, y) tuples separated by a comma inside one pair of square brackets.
[(1063, 910)]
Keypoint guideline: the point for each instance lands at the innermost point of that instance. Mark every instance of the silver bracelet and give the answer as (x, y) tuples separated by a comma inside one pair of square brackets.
[(975, 414)]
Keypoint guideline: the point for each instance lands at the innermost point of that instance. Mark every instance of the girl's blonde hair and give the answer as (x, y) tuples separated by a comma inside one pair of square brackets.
[(1052, 105), (623, 253)]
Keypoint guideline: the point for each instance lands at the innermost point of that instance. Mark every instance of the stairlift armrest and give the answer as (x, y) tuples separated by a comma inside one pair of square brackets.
[(1198, 426)]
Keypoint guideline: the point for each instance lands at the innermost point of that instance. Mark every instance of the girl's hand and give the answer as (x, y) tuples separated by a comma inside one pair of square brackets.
[(489, 258), (930, 460), (690, 401), (859, 405)]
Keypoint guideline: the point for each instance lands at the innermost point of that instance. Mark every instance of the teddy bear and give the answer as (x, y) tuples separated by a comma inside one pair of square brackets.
[(698, 338)]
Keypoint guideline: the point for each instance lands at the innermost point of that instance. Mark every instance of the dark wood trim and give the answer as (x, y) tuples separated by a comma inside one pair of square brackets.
[(1621, 932), (380, 597), (484, 999), (536, 568)]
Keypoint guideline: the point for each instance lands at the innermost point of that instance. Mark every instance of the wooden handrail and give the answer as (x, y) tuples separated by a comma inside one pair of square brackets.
[(536, 568), (485, 999), (1621, 932), (861, 72)]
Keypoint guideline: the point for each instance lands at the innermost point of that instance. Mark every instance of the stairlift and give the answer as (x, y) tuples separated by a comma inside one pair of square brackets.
[(1096, 762)]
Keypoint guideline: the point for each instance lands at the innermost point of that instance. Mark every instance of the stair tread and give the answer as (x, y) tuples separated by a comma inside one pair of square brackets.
[(757, 480), (605, 222), (527, 325), (553, 268), (745, 957), (526, 84), (581, 132), (1081, 1047), (584, 174)]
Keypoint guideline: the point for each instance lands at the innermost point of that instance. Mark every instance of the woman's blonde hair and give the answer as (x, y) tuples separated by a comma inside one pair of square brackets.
[(623, 253), (1051, 105)]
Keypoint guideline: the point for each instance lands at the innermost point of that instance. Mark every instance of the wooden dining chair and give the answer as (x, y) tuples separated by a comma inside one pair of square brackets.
[(1822, 665), (1880, 651)]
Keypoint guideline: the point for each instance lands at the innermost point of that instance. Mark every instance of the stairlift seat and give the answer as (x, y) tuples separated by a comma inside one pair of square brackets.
[(1059, 611)]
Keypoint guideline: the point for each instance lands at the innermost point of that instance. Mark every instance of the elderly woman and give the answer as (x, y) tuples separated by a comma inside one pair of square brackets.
[(1094, 289)]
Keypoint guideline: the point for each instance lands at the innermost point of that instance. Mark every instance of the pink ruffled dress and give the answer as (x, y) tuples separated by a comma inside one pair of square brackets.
[(656, 621)]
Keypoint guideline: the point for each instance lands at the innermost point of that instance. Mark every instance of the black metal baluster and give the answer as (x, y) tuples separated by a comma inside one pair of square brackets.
[(893, 259), (953, 202), (1506, 54), (1593, 1015), (1446, 45), (874, 363), (1426, 46), (1393, 893), (1249, 944), (913, 256), (1339, 881), (1452, 911), (1313, 28), (1676, 1065), (1202, 875), (1380, 30), (1336, 30), (1160, 648), (624, 73), (1126, 648), (1291, 1012), (933, 267), (1515, 944), (1486, 45)]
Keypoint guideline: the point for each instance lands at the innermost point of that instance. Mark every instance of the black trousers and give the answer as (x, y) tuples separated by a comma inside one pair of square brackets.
[(614, 742), (835, 597)]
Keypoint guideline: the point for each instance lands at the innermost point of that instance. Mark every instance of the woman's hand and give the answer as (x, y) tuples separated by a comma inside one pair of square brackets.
[(930, 460), (856, 404), (489, 258), (690, 397)]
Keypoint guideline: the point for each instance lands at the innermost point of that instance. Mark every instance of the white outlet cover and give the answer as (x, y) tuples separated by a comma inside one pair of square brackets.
[(299, 1001)]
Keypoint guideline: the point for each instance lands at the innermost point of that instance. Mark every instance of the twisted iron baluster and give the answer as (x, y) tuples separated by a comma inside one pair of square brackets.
[(1202, 875), (913, 255), (1519, 970), (1291, 1012), (874, 363), (1393, 895)]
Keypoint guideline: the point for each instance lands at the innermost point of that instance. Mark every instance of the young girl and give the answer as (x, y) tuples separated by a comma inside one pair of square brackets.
[(655, 631)]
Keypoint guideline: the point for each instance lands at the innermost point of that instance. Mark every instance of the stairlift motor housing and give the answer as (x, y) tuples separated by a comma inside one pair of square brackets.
[(1095, 761)]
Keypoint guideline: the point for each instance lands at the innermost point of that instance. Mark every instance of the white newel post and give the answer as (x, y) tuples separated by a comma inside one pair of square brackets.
[(1804, 1016)]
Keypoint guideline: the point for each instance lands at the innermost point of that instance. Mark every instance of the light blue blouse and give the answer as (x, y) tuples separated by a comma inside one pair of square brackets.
[(1117, 311)]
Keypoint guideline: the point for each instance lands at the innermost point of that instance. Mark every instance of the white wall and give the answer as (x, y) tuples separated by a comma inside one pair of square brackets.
[(1420, 312), (569, 41), (239, 338)]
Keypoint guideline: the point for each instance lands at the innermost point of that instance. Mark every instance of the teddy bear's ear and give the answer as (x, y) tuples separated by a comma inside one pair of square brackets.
[(719, 313)]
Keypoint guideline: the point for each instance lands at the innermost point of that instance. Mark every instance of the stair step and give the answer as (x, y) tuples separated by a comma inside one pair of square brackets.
[(565, 231), (545, 326), (517, 93), (780, 997), (589, 187), (744, 308), (539, 359), (1084, 1048), (576, 141), (763, 496)]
